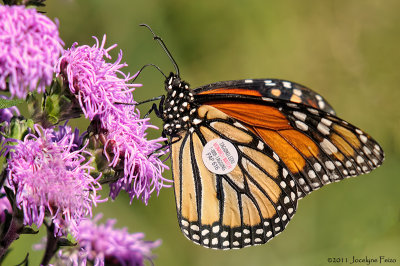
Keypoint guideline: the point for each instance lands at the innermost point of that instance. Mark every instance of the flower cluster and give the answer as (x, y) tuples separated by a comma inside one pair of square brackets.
[(102, 244), (94, 81), (50, 176), (50, 173), (30, 47), (104, 93)]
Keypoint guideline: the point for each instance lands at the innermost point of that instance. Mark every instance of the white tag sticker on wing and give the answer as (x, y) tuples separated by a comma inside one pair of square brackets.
[(220, 156)]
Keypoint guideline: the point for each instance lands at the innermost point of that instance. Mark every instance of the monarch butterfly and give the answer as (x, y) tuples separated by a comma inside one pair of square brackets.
[(245, 151)]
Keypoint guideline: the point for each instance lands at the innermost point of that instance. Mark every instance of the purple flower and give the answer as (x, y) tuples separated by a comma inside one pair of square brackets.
[(7, 113), (65, 130), (99, 85), (96, 83), (30, 46), (104, 245), (5, 116), (4, 205), (127, 148), (51, 179)]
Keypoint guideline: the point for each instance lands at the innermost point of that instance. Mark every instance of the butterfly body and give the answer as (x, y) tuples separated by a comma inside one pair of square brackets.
[(178, 108), (287, 142)]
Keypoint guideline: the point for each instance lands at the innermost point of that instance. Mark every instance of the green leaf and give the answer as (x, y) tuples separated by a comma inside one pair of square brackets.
[(7, 103), (29, 231), (64, 242)]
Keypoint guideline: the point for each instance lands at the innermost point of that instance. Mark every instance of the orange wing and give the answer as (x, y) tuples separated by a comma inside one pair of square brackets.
[(317, 147)]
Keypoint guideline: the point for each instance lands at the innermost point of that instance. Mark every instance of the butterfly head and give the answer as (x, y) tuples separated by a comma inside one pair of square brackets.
[(178, 106)]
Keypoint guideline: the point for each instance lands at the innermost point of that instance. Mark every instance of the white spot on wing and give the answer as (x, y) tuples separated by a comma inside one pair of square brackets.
[(311, 174), (204, 232), (287, 84), (286, 200), (268, 81), (301, 125), (184, 223), (299, 115), (196, 121), (322, 128), (267, 99), (363, 138), (297, 92), (313, 111), (328, 147), (329, 165), (260, 145), (284, 172), (194, 227), (326, 122), (215, 229)]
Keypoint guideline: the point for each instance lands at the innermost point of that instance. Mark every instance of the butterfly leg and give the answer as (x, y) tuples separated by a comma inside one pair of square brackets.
[(158, 110), (168, 143)]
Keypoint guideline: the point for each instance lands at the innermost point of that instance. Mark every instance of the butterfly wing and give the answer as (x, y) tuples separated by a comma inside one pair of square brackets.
[(269, 88), (249, 205), (317, 147)]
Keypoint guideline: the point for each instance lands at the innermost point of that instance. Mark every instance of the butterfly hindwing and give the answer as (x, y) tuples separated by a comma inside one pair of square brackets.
[(249, 205)]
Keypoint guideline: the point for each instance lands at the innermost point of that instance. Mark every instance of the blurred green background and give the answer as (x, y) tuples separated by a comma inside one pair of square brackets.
[(347, 50)]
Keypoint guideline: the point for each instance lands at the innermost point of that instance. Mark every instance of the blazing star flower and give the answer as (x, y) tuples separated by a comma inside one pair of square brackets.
[(30, 46), (97, 84), (4, 206), (104, 245), (126, 147), (52, 179), (7, 113), (5, 116)]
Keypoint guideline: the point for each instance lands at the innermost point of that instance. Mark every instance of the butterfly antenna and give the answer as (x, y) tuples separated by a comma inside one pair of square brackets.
[(161, 42), (147, 65)]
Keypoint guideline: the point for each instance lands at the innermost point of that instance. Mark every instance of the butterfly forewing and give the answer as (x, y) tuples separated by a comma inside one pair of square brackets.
[(316, 146), (269, 89), (247, 206)]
